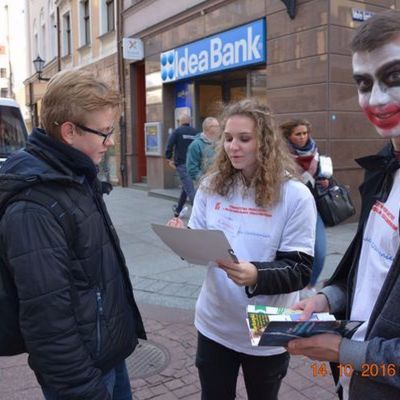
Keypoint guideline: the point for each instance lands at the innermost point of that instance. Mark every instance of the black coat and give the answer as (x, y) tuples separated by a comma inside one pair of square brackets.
[(178, 143), (78, 315), (378, 180), (383, 331)]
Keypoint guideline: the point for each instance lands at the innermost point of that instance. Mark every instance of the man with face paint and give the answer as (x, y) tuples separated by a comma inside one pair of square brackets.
[(366, 283)]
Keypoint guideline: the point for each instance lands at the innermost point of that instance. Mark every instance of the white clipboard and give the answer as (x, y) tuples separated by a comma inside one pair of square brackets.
[(197, 246)]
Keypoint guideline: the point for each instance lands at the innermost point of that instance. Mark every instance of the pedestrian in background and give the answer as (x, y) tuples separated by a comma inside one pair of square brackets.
[(267, 215), (201, 151), (305, 151), (77, 313), (366, 284), (177, 147)]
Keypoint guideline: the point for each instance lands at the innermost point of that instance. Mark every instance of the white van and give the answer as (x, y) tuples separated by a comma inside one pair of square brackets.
[(13, 131)]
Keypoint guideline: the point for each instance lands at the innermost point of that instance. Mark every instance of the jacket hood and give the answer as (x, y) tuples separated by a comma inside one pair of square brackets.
[(43, 160), (204, 138)]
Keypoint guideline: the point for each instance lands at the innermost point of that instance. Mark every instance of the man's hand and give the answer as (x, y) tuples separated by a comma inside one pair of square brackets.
[(317, 303), (171, 164), (176, 223), (323, 347), (243, 274)]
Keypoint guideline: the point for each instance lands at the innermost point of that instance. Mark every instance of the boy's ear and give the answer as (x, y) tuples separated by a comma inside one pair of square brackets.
[(67, 132)]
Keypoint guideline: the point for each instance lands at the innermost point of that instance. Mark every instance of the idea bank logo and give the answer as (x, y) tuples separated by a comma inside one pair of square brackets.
[(237, 47)]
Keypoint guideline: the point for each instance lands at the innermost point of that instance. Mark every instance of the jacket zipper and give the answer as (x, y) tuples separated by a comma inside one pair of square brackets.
[(100, 313)]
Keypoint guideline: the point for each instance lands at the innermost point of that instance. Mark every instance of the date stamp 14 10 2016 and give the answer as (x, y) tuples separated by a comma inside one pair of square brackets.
[(367, 370)]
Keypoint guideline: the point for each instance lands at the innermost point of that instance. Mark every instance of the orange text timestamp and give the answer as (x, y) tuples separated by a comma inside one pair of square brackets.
[(367, 370)]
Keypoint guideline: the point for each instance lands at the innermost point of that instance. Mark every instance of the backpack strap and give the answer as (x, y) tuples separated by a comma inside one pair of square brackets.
[(44, 199)]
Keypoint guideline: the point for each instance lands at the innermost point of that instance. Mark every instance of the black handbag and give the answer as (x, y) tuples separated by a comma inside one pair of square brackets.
[(334, 204)]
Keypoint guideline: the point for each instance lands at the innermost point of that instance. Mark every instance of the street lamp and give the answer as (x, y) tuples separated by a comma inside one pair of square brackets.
[(39, 63)]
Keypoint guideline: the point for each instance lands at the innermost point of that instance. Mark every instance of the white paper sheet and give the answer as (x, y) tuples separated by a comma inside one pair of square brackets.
[(197, 246)]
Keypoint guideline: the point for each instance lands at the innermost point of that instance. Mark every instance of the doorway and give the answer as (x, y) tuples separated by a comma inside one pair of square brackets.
[(138, 91), (212, 92)]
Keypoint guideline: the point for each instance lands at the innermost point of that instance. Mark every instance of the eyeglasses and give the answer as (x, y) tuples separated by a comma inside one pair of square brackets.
[(106, 136)]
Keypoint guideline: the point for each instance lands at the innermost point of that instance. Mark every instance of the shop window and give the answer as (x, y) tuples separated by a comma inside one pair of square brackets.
[(257, 82)]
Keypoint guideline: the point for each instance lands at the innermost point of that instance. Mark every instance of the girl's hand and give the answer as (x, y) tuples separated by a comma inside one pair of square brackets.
[(176, 223), (243, 274)]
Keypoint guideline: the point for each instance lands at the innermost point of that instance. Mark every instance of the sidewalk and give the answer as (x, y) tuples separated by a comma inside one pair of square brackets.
[(166, 289)]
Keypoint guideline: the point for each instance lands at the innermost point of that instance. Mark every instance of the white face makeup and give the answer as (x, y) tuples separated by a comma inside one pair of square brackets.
[(377, 74)]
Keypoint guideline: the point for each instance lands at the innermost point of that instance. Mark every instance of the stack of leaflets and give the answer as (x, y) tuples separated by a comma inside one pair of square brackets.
[(276, 326)]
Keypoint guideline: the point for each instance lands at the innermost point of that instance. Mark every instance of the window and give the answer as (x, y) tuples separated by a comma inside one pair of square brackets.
[(66, 34), (35, 39), (107, 16), (52, 31), (85, 22), (3, 92), (3, 72), (12, 129), (42, 37), (110, 15)]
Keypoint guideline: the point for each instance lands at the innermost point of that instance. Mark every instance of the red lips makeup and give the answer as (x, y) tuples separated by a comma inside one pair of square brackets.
[(386, 117)]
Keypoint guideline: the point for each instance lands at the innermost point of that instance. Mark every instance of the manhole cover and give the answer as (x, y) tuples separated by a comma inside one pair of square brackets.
[(148, 359)]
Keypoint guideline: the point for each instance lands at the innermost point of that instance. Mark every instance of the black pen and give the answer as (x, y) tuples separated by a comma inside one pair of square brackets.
[(233, 255)]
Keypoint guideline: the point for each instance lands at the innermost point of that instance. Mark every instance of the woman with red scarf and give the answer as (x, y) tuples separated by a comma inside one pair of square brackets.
[(298, 135)]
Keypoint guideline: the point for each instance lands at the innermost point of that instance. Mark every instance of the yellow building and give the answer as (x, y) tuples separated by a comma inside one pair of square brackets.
[(67, 34)]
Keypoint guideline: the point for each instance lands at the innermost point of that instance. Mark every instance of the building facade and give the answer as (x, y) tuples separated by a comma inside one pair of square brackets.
[(13, 65), (73, 34), (198, 54)]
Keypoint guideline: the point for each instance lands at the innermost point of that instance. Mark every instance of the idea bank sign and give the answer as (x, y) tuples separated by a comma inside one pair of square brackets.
[(238, 47)]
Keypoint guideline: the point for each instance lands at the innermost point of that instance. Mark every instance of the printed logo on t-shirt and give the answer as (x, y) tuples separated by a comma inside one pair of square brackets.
[(258, 211), (248, 210), (380, 209)]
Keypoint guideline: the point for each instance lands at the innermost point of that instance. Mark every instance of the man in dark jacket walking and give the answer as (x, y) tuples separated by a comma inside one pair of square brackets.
[(77, 313), (366, 284), (177, 147)]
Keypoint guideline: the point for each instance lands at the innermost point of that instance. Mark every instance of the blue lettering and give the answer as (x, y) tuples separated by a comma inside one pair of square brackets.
[(381, 253)]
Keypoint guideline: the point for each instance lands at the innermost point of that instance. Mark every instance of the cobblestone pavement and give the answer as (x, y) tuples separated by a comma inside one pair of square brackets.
[(172, 332)]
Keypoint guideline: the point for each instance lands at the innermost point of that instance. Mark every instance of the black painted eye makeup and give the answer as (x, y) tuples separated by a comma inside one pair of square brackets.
[(390, 73), (363, 82)]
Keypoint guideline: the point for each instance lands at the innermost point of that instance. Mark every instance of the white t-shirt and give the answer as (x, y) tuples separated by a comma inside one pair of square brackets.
[(255, 234), (379, 247)]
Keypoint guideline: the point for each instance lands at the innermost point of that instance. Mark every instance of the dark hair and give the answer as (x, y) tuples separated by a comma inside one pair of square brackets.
[(376, 31), (287, 127)]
